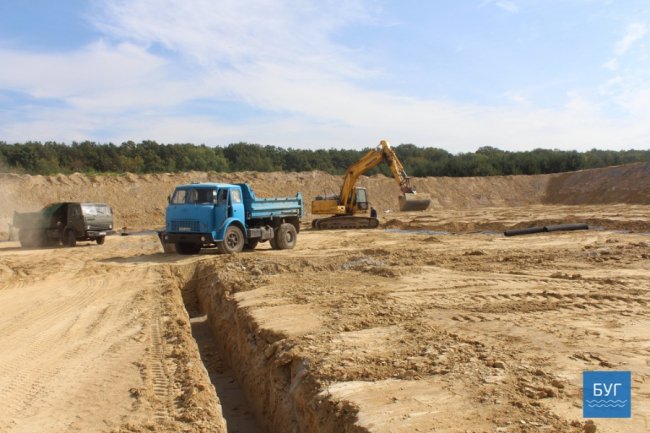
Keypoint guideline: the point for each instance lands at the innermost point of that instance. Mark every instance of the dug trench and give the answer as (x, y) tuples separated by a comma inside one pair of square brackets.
[(304, 351), (262, 383), (482, 337)]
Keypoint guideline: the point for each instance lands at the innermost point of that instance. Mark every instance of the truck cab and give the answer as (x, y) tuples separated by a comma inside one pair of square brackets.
[(86, 221), (227, 216)]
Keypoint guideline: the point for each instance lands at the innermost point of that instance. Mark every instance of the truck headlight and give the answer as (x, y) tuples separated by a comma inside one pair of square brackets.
[(110, 226)]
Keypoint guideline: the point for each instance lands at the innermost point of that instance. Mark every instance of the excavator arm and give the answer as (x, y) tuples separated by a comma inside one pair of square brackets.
[(396, 168)]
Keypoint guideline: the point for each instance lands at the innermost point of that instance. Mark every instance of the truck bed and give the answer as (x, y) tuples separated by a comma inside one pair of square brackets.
[(270, 207), (36, 220)]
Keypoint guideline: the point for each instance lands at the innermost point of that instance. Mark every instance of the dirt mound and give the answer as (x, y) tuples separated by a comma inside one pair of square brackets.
[(139, 200), (621, 184)]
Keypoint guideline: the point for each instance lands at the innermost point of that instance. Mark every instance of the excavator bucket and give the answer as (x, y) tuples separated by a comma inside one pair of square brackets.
[(413, 202)]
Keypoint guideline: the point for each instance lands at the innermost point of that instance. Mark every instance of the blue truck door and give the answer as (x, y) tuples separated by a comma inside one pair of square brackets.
[(229, 205), (237, 210), (221, 209)]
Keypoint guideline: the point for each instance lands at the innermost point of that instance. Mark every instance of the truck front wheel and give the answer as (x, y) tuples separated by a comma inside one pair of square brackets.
[(100, 240), (70, 238), (286, 236), (233, 240)]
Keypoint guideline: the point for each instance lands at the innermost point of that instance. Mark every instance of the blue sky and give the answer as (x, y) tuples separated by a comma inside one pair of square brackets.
[(513, 74)]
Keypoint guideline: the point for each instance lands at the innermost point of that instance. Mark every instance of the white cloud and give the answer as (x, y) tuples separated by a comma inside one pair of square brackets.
[(516, 97), (100, 76), (506, 5), (279, 58), (629, 89), (611, 64), (633, 33)]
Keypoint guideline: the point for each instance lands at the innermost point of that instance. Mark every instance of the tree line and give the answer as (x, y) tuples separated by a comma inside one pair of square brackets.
[(151, 157)]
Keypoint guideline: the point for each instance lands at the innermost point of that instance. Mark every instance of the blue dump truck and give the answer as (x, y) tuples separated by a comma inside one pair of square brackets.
[(229, 217)]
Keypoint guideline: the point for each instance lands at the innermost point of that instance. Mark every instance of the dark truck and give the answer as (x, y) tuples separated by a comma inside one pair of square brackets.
[(64, 223), (229, 217)]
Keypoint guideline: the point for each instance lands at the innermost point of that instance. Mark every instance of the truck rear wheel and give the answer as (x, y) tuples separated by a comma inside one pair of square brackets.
[(233, 240), (286, 236)]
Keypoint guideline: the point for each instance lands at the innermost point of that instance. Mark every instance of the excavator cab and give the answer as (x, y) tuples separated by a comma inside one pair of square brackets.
[(361, 199)]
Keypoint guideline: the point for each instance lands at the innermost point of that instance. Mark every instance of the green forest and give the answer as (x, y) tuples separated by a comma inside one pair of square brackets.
[(151, 157)]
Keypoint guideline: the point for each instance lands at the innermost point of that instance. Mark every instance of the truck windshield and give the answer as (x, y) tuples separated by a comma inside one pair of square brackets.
[(194, 196), (179, 196), (203, 195), (95, 209)]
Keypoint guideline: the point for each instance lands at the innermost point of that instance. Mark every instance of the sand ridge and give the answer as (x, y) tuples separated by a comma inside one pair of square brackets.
[(139, 201)]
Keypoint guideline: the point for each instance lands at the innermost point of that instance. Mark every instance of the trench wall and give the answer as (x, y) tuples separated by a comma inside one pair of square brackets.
[(274, 377)]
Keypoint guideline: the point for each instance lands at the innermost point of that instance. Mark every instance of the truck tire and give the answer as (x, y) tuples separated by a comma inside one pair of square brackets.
[(100, 240), (187, 248), (70, 238), (49, 240), (233, 240), (285, 237)]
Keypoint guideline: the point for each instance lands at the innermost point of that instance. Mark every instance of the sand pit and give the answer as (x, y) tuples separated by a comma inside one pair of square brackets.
[(139, 201), (435, 322)]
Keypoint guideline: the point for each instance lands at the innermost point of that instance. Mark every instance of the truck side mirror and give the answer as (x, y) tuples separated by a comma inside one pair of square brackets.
[(169, 199)]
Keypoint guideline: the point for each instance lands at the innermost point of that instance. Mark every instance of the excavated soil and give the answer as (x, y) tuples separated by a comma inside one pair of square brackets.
[(139, 201), (435, 322)]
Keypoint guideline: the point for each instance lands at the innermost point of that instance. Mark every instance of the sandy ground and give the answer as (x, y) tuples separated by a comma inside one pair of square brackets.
[(409, 330), (92, 341)]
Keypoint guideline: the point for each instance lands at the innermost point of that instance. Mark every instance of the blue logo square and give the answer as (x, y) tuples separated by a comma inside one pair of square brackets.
[(606, 394)]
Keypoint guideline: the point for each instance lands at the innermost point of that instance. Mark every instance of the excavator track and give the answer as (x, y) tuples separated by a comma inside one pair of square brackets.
[(345, 222)]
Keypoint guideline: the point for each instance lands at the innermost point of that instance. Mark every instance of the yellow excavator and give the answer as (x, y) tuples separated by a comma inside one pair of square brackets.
[(353, 199)]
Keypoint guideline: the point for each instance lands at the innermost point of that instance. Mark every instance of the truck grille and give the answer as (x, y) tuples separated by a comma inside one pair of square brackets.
[(185, 226), (98, 227)]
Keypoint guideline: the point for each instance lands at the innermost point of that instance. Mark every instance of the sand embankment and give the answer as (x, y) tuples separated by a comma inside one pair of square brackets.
[(139, 200)]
